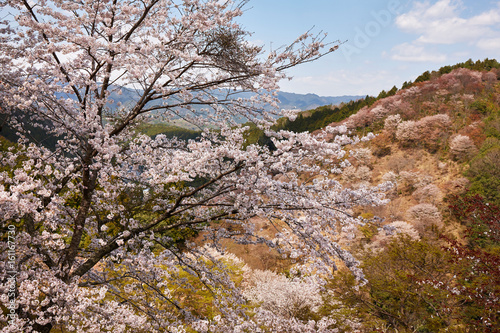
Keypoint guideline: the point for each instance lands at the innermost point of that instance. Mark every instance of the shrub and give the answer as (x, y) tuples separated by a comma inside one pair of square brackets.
[(489, 143), (382, 151), (484, 173), (477, 261), (395, 292)]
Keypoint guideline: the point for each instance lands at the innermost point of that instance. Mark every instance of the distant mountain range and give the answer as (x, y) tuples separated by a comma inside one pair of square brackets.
[(305, 102), (288, 100)]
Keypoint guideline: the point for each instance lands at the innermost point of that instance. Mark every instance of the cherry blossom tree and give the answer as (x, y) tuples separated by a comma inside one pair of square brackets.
[(391, 123), (428, 193), (462, 147), (100, 216), (407, 131), (424, 216)]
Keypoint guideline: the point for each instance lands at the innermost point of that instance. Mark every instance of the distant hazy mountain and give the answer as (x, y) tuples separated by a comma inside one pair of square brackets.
[(311, 101), (288, 100)]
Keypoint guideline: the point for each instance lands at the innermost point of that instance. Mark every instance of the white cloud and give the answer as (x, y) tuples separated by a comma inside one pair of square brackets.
[(442, 23), (415, 53), (357, 81), (416, 21), (489, 44), (491, 17)]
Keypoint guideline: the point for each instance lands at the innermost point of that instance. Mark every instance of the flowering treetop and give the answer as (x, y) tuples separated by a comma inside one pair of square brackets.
[(99, 213)]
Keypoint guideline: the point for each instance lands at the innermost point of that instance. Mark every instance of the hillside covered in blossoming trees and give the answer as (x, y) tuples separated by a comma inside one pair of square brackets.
[(430, 257), (378, 215)]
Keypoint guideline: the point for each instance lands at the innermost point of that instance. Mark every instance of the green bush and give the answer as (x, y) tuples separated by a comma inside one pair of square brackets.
[(484, 174), (397, 291)]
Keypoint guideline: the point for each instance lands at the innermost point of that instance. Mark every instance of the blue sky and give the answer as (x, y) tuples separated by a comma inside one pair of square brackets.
[(388, 41)]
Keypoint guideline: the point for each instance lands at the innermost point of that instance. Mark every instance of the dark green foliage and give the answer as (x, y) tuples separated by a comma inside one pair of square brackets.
[(310, 121), (324, 115), (384, 94), (485, 65), (425, 76), (407, 84), (255, 135), (266, 141), (445, 70), (481, 106), (5, 144), (476, 263), (35, 134), (484, 171), (393, 91), (479, 216), (484, 174), (395, 292), (382, 151), (169, 131)]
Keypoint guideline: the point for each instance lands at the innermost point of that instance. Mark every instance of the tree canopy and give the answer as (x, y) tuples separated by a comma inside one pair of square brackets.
[(102, 222)]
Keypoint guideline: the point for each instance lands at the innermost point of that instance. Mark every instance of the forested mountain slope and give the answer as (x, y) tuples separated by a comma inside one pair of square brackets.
[(431, 256), (454, 118)]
